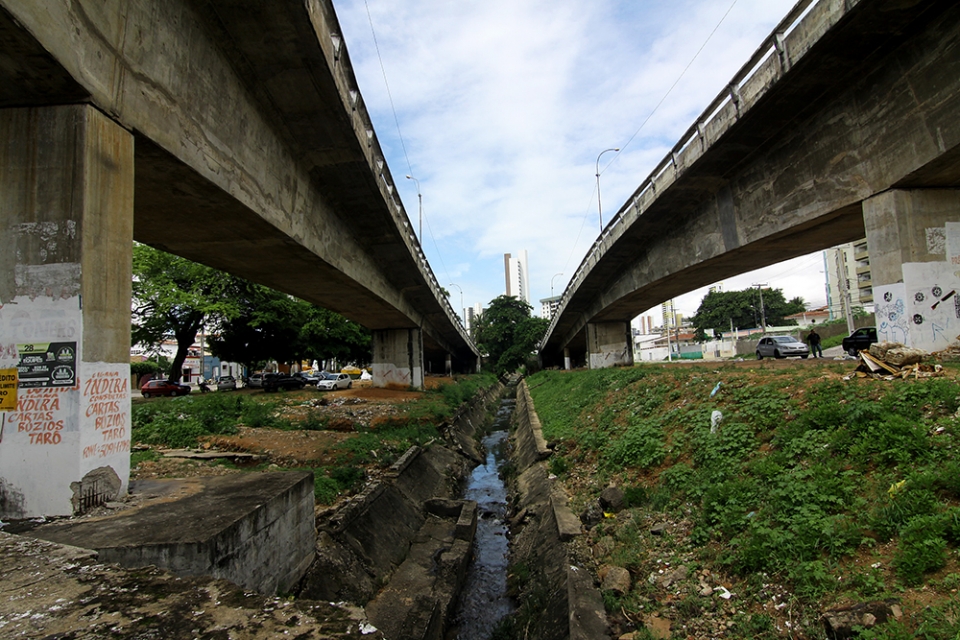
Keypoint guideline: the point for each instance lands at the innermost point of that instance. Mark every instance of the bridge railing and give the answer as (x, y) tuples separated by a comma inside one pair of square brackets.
[(751, 82), (333, 45)]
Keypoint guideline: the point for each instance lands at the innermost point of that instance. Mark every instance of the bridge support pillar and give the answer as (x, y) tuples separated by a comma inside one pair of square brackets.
[(566, 359), (398, 358), (914, 242), (66, 237), (609, 344)]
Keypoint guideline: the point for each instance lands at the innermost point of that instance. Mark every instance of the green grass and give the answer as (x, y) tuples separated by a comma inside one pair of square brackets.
[(794, 482)]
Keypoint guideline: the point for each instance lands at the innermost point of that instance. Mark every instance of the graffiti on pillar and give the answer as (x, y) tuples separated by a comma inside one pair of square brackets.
[(891, 313), (43, 415), (105, 411), (931, 288)]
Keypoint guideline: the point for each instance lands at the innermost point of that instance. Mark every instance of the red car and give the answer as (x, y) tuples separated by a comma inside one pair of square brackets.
[(163, 388)]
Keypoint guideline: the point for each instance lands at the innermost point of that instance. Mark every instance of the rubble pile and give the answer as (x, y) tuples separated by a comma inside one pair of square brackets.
[(892, 360)]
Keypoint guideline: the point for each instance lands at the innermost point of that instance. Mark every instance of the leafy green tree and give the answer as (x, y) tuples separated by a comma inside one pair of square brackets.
[(719, 309), (508, 334), (173, 296), (275, 326)]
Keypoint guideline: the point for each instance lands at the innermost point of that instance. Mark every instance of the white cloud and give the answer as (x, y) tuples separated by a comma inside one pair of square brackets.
[(504, 105)]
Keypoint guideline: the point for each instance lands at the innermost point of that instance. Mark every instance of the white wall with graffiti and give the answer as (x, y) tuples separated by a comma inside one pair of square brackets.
[(61, 418), (923, 311)]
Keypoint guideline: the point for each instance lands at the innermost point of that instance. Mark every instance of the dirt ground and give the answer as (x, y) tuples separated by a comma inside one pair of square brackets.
[(344, 411)]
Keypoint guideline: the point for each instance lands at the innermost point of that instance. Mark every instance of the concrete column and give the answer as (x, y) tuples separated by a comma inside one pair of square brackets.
[(66, 235), (398, 358), (914, 243), (566, 359), (448, 366), (609, 345)]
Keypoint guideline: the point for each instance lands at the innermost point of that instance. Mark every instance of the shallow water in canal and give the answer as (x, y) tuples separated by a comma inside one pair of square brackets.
[(484, 601)]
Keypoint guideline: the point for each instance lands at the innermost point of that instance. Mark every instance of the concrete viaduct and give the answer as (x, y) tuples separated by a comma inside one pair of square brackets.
[(845, 123), (231, 133)]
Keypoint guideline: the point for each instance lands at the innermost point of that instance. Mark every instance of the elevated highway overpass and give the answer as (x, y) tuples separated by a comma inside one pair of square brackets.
[(845, 122), (231, 133)]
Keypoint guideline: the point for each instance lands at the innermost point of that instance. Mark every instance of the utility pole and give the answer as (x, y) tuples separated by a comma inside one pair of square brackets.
[(842, 280), (763, 315)]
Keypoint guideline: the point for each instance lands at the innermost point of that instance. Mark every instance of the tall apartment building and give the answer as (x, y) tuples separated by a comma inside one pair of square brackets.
[(470, 315), (848, 266), (515, 274), (549, 306)]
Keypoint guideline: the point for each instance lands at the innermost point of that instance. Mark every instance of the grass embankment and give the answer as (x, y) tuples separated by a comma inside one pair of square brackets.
[(188, 421), (819, 490)]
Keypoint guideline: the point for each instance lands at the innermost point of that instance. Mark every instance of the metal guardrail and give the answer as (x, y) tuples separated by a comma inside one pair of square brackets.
[(774, 44)]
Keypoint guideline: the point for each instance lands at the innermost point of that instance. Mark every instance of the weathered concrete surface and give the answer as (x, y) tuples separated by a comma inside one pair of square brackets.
[(419, 599), (609, 344), (530, 446), (49, 590), (66, 226), (403, 546), (256, 530), (398, 358), (542, 523), (254, 151), (859, 98)]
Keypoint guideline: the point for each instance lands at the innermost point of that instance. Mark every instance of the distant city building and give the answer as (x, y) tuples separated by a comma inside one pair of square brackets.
[(549, 306), (470, 315), (516, 277), (848, 266)]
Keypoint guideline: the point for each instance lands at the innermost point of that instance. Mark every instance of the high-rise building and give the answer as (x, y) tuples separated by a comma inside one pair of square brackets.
[(848, 269), (470, 315), (515, 275), (549, 306)]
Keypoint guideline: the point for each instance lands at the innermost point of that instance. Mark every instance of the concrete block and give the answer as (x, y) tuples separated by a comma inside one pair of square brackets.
[(255, 529)]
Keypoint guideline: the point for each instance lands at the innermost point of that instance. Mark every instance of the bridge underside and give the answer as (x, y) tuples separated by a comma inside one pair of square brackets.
[(873, 106)]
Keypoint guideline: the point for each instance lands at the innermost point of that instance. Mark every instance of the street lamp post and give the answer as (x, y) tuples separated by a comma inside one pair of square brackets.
[(453, 284), (420, 207), (599, 206), (551, 282)]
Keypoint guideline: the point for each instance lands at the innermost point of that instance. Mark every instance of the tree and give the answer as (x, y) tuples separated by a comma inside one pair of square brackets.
[(173, 296), (508, 334), (721, 309), (275, 326)]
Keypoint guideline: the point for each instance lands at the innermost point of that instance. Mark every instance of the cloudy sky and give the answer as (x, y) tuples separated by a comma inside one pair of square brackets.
[(500, 108)]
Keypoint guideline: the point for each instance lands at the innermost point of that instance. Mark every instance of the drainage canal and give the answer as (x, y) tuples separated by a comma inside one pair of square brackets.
[(484, 601)]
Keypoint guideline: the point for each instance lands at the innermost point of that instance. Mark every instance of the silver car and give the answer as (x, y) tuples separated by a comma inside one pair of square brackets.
[(781, 347), (333, 381)]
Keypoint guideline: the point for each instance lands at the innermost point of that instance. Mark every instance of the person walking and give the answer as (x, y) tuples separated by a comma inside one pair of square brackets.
[(814, 339)]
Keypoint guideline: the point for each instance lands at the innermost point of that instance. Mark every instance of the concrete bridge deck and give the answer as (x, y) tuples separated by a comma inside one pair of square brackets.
[(844, 102)]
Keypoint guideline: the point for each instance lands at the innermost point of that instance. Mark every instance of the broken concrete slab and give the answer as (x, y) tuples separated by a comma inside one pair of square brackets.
[(255, 529)]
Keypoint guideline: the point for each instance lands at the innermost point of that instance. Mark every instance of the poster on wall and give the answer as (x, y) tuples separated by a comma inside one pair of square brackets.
[(51, 364), (8, 389)]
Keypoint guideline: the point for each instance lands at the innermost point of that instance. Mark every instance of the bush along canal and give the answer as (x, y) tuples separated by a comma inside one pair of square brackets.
[(484, 601)]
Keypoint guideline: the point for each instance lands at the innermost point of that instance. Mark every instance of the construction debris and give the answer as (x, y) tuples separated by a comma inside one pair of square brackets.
[(891, 360)]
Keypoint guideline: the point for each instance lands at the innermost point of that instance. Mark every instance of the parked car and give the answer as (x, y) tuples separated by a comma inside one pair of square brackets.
[(226, 383), (309, 379), (153, 388), (334, 381), (781, 347), (255, 380), (859, 340), (280, 381)]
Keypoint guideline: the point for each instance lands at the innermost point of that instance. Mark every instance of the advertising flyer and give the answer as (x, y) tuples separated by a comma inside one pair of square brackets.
[(52, 364)]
